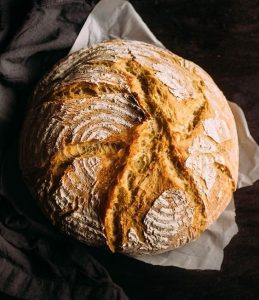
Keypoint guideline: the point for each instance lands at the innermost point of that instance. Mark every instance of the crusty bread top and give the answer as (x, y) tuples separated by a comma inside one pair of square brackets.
[(130, 145)]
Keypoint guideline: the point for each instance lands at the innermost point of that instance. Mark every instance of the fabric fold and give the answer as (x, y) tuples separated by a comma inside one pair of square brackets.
[(36, 260)]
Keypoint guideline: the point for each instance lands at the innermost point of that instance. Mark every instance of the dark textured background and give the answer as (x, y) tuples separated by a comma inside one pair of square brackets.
[(222, 36)]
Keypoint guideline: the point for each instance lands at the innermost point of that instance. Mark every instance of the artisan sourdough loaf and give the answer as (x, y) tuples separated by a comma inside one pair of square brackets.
[(130, 146)]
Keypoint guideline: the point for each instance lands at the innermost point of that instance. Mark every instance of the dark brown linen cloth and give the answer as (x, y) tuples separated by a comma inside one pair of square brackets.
[(36, 260)]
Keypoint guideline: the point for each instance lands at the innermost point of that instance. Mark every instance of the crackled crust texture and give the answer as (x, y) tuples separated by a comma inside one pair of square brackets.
[(130, 146)]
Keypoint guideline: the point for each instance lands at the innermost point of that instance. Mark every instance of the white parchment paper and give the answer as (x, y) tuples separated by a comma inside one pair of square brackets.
[(118, 19)]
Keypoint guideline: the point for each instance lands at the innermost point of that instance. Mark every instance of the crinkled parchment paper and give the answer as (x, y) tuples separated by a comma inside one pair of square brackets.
[(118, 19)]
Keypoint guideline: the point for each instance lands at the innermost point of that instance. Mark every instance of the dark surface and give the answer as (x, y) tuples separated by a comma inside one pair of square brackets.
[(223, 38)]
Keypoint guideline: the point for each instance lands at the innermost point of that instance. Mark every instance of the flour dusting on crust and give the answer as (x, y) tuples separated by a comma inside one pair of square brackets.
[(76, 201), (169, 214), (204, 167), (217, 129), (202, 144)]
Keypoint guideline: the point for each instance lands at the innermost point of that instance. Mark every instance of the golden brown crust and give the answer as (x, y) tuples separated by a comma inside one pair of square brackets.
[(129, 145)]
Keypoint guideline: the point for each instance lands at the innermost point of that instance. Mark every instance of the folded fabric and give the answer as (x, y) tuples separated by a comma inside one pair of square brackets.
[(36, 260)]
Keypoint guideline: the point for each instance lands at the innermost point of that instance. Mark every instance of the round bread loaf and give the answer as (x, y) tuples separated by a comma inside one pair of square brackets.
[(131, 146)]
